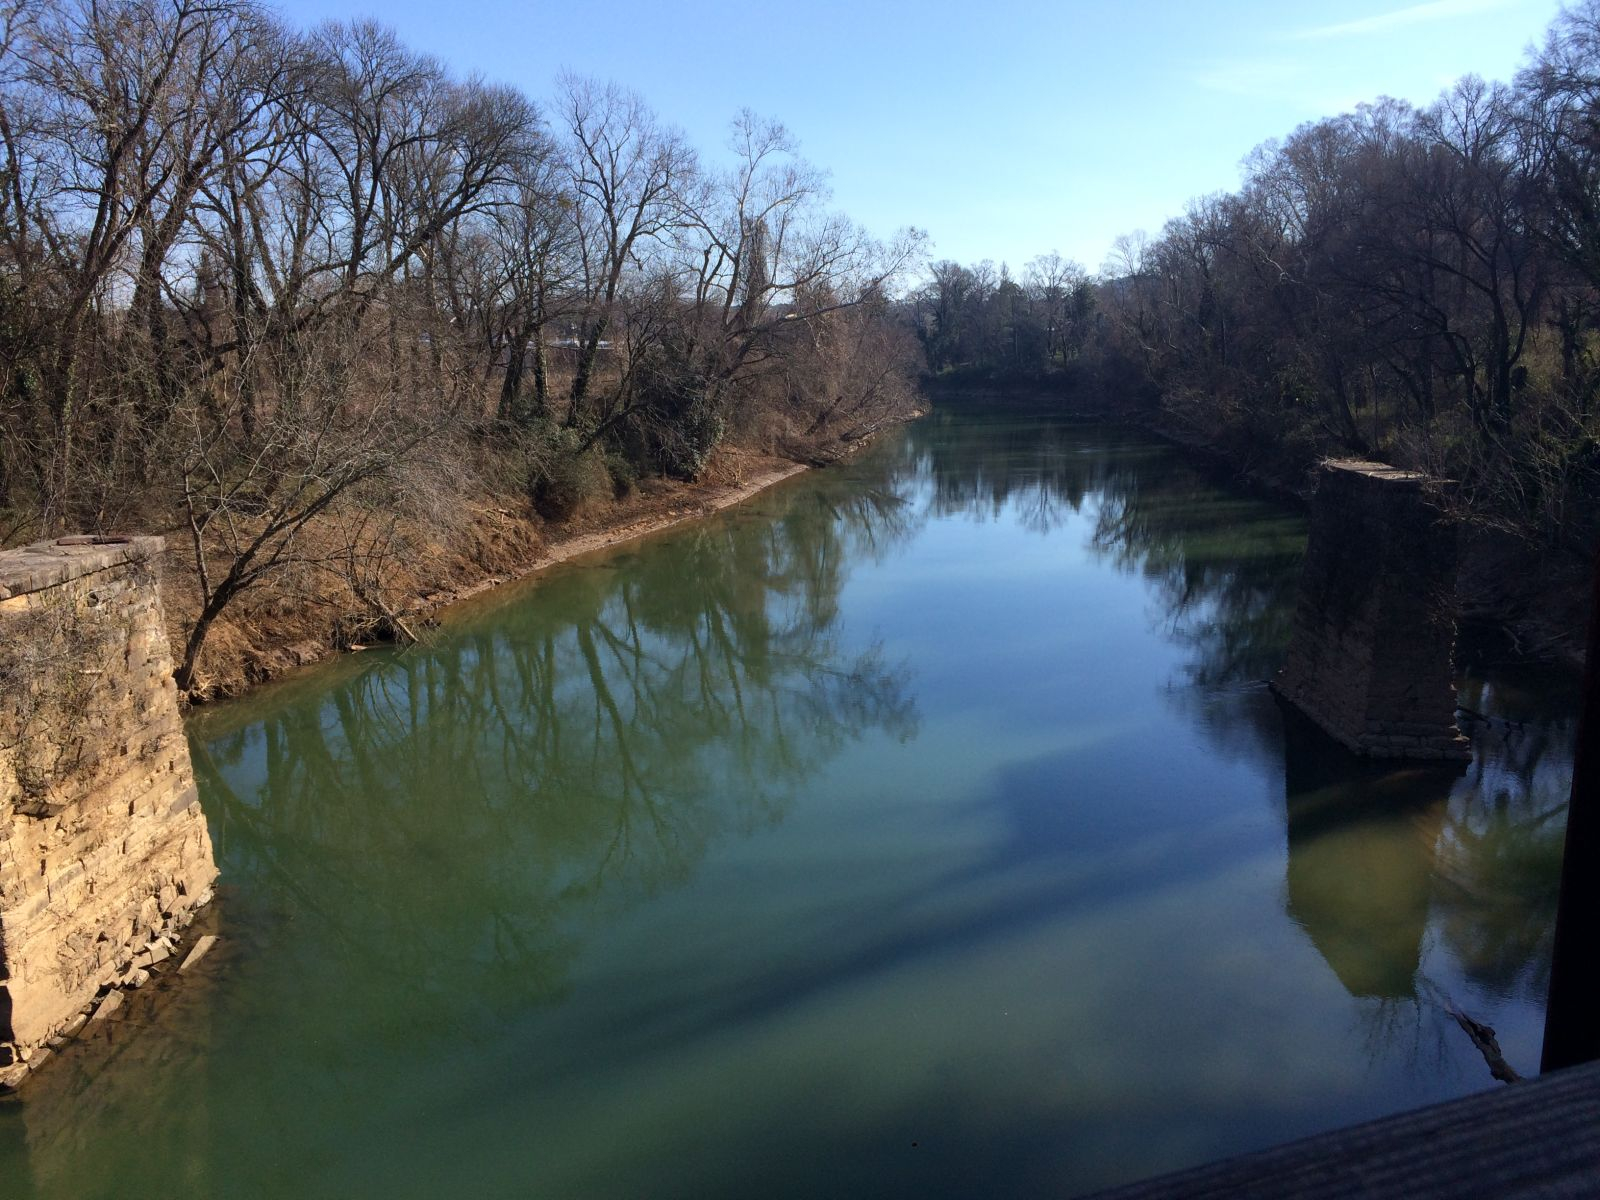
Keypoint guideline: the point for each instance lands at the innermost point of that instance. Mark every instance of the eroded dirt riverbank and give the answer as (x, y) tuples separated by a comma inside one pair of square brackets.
[(312, 613)]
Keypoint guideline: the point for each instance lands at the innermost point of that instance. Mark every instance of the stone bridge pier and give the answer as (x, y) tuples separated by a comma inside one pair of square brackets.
[(104, 852), (1370, 658)]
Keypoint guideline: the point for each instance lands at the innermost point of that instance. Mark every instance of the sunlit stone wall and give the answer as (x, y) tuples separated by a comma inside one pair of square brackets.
[(1374, 627), (104, 853)]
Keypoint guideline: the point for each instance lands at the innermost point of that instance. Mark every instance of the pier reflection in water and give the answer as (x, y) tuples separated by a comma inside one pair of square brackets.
[(923, 827), (1361, 859)]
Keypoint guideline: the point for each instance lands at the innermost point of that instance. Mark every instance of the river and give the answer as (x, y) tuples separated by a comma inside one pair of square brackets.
[(922, 827)]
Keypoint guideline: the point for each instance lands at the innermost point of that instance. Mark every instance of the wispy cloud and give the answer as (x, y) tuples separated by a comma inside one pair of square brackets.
[(1288, 81), (1416, 14), (1249, 77)]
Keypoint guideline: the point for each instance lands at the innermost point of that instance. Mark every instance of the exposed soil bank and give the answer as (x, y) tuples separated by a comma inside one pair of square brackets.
[(309, 611)]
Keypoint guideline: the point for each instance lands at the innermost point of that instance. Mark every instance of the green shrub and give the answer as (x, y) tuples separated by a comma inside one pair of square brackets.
[(624, 474), (562, 480)]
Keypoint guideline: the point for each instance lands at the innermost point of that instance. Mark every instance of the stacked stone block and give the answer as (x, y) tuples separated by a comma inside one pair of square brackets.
[(104, 852), (1370, 660)]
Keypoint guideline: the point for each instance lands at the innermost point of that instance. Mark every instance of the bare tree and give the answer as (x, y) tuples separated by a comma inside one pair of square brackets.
[(251, 277), (627, 177), (343, 423)]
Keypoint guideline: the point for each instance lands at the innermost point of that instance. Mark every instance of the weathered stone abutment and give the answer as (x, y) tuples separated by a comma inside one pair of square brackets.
[(1374, 628), (104, 852)]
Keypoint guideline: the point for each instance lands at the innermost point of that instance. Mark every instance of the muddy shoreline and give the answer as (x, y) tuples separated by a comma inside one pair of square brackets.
[(629, 527), (282, 657)]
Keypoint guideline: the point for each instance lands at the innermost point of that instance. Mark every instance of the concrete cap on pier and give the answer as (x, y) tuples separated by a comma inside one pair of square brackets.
[(40, 565), (1379, 472)]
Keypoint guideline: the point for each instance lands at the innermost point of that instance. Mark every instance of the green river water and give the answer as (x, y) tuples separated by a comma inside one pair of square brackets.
[(923, 827)]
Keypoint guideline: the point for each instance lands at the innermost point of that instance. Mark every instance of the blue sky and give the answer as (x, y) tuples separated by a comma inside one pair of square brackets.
[(1004, 128)]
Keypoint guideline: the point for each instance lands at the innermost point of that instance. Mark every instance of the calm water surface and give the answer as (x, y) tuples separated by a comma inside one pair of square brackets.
[(923, 827)]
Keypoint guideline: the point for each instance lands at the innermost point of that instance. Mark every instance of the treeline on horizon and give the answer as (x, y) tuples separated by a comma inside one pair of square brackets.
[(1417, 285), (253, 277)]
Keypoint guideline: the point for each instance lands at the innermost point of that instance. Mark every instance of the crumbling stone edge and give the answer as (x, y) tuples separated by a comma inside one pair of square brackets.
[(156, 958)]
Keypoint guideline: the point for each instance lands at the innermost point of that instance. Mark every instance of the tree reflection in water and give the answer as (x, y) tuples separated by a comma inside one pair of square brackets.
[(469, 800), (1224, 565), (1500, 854)]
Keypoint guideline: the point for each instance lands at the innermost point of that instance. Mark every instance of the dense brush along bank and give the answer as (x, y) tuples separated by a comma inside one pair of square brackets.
[(920, 827)]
